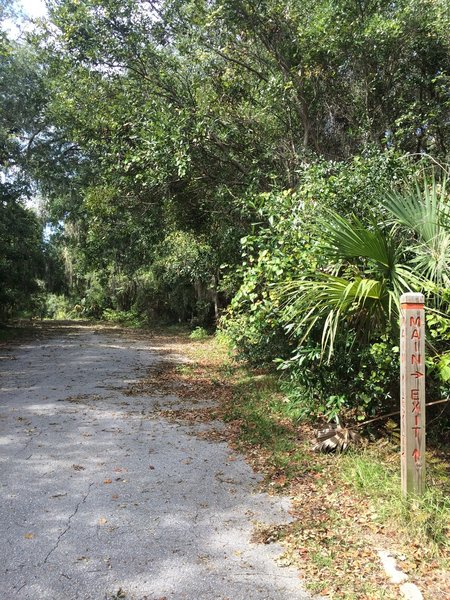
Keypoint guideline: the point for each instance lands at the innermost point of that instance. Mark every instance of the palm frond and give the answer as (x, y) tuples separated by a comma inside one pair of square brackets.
[(330, 300), (425, 211), (347, 238), (367, 269), (335, 438)]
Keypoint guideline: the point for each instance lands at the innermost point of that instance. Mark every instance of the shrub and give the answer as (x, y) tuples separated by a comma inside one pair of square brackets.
[(59, 307), (129, 318), (321, 277), (199, 333)]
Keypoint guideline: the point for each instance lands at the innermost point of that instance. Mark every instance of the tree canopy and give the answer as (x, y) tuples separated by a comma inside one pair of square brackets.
[(195, 153)]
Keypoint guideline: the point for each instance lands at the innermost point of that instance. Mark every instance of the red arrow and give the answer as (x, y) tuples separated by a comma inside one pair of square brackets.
[(417, 374), (416, 455)]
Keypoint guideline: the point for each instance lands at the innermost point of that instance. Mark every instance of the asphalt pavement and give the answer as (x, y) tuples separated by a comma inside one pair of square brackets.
[(103, 498)]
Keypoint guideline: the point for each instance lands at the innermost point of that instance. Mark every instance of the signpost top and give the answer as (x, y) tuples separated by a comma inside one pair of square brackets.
[(412, 298)]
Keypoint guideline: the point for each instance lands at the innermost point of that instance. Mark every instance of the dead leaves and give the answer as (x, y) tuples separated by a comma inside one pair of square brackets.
[(334, 534), (119, 595), (190, 416), (212, 435), (263, 534), (335, 438), (109, 480), (192, 383), (279, 481), (81, 398)]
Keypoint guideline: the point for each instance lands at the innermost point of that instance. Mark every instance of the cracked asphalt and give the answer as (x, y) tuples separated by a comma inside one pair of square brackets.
[(102, 498)]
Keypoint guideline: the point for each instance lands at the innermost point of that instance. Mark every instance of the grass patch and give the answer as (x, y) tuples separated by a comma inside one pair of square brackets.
[(199, 333), (424, 520), (128, 318)]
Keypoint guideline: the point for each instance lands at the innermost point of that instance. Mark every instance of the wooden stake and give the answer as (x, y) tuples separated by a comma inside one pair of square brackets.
[(412, 393)]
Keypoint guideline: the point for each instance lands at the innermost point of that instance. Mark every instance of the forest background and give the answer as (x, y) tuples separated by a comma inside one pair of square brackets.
[(277, 168)]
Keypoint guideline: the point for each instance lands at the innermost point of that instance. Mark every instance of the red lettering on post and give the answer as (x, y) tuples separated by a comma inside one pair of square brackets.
[(416, 407), (416, 455), (412, 413), (414, 394), (417, 374)]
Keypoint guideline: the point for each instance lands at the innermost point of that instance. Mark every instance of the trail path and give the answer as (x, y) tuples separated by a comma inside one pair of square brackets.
[(102, 498)]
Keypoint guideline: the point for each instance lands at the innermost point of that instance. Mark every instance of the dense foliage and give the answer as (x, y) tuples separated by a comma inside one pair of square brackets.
[(21, 257), (195, 153), (320, 290)]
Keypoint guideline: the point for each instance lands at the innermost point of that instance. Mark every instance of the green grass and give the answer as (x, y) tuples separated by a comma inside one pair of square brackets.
[(425, 519), (199, 333), (253, 406), (185, 369), (266, 422), (122, 317)]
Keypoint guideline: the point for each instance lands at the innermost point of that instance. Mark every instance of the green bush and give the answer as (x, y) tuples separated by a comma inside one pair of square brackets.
[(358, 381), (123, 317), (60, 307), (321, 277), (199, 333), (274, 252)]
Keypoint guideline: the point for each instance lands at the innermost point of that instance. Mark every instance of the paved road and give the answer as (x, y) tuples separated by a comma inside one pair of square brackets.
[(103, 499)]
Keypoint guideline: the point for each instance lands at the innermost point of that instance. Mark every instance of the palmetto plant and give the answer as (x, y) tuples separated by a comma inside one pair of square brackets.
[(424, 211), (366, 267)]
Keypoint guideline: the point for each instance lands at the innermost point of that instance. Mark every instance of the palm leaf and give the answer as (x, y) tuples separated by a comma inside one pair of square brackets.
[(425, 212), (349, 238), (330, 300), (365, 276)]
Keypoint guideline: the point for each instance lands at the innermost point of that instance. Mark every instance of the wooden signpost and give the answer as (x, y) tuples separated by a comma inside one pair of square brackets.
[(412, 393)]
